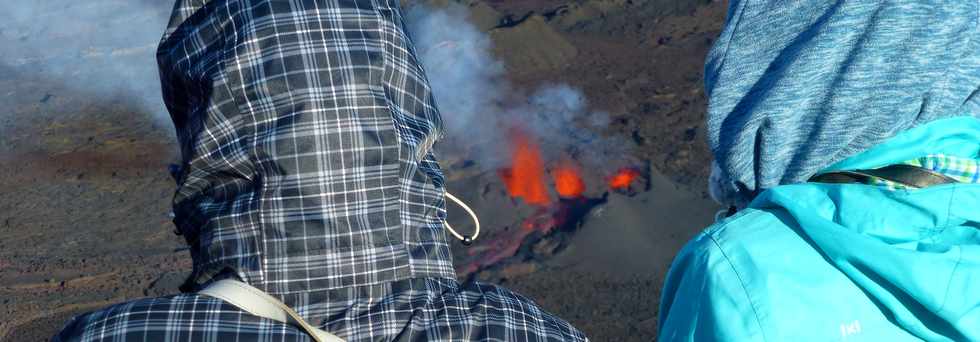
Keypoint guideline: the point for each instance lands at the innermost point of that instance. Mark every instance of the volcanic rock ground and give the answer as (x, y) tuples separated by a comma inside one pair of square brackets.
[(84, 191)]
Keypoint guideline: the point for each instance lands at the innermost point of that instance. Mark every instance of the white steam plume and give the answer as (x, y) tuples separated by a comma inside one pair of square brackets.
[(99, 48), (479, 105)]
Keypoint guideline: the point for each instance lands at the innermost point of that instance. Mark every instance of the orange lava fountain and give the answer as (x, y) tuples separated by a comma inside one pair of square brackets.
[(525, 177), (623, 178), (568, 183)]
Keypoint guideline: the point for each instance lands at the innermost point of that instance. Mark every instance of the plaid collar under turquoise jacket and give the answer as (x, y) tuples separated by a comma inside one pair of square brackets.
[(963, 170)]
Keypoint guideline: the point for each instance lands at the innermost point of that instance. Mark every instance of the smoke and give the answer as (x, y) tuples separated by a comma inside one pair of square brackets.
[(104, 50), (463, 74), (101, 49), (479, 105)]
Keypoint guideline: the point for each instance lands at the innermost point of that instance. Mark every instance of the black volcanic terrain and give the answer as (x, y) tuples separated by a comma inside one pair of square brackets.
[(85, 192)]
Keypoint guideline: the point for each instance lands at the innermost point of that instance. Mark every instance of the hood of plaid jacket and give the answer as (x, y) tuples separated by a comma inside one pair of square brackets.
[(306, 137), (794, 87)]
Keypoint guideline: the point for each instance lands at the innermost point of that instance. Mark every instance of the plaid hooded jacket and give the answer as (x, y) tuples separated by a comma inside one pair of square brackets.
[(306, 129)]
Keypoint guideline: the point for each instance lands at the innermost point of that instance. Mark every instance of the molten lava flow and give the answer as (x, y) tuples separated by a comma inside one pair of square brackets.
[(525, 178), (503, 246), (568, 183), (623, 178)]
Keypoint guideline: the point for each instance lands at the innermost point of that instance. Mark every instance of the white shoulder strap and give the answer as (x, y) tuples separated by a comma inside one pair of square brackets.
[(258, 303)]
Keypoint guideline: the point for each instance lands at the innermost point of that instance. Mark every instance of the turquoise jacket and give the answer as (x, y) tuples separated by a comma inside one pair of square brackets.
[(840, 262)]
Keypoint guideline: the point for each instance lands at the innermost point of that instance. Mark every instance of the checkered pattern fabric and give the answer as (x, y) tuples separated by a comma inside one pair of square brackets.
[(963, 170), (306, 129), (408, 310)]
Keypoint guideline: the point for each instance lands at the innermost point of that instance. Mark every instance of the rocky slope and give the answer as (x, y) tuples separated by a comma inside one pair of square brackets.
[(84, 190)]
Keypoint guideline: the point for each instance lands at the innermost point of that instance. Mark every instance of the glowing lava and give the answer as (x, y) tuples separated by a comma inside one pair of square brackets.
[(623, 178), (525, 177), (568, 183)]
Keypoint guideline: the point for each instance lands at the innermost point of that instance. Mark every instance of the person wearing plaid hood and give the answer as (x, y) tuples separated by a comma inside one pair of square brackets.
[(847, 142), (306, 129)]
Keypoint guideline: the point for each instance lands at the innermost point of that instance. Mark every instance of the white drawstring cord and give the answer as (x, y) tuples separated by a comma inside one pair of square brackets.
[(476, 233), (721, 215), (725, 213)]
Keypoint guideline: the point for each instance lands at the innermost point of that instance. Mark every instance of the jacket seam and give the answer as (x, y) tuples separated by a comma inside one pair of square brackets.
[(959, 259), (949, 205), (949, 284), (227, 55), (736, 21), (741, 283), (393, 112)]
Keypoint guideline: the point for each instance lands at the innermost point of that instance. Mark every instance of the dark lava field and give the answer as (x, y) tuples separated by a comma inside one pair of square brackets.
[(85, 192)]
